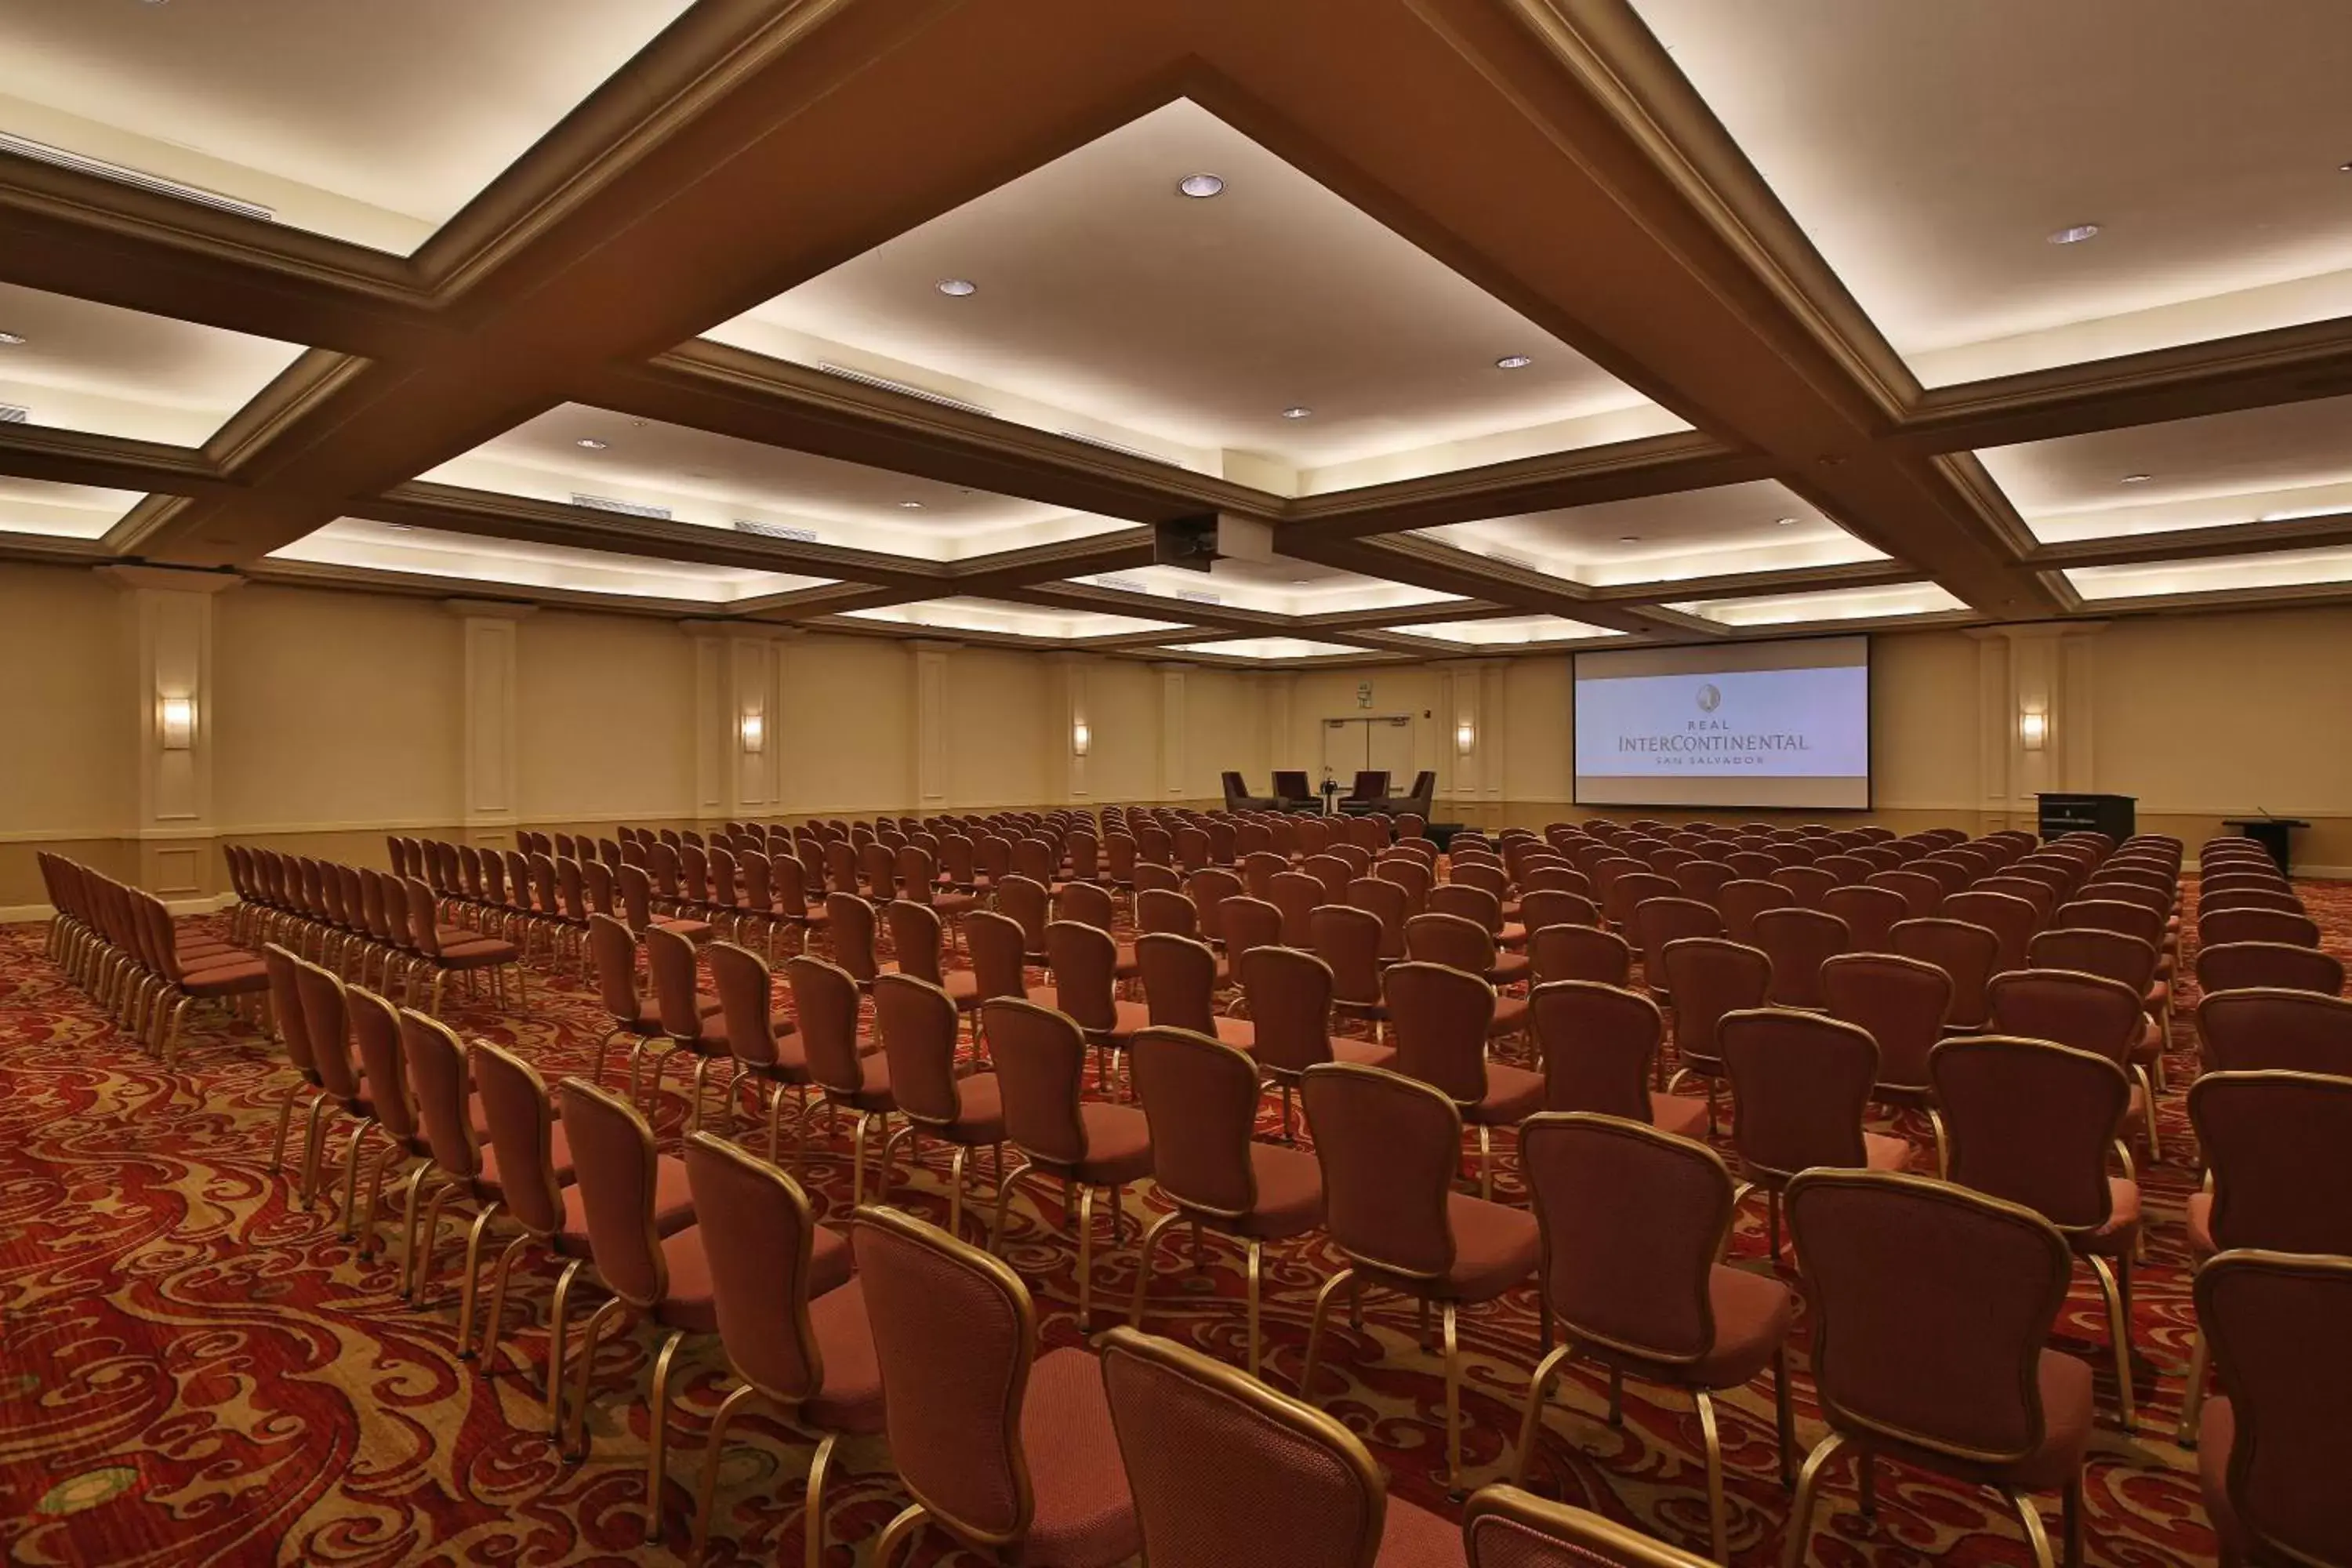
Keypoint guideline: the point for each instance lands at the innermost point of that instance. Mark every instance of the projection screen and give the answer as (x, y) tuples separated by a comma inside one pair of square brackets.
[(1761, 724)]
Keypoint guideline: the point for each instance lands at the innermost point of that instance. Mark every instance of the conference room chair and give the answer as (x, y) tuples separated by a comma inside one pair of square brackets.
[(2127, 960), (2240, 965), (1801, 1084), (1751, 864), (1180, 977), (378, 1034), (1025, 901), (1084, 960), (1201, 1098), (2269, 1450), (1578, 952), (2257, 925), (1703, 879), (844, 1064), (285, 1003), (1391, 904), (1440, 1019), (1798, 941), (1902, 1004), (1870, 915), (1040, 1056), (1464, 944), (1626, 892), (180, 974), (2010, 918), (1249, 923), (2273, 1143), (327, 1025), (2088, 1011), (641, 907), (1931, 1309), (1742, 898), (1599, 1045), (1968, 953), (2036, 895), (1660, 923), (1921, 894), (1543, 906), (1950, 872), (917, 1022), (1012, 1454), (1289, 995), (2301, 1031), (671, 964), (1258, 868), (1707, 976), (2212, 901), (1389, 1146), (1634, 1222), (1293, 1486), (2030, 1120)]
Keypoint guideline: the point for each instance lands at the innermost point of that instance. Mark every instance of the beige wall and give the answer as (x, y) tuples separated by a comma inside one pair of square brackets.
[(333, 715)]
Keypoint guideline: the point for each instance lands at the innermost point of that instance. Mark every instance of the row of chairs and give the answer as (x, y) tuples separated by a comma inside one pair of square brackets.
[(119, 943)]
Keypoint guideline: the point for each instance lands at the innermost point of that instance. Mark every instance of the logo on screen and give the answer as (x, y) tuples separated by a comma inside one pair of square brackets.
[(1709, 699)]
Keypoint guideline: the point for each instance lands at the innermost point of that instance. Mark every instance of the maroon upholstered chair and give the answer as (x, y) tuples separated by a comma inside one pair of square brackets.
[(919, 939), (671, 961), (790, 1318), (1085, 960), (1599, 1044), (1201, 1098), (1870, 915), (844, 1064), (916, 1021), (1922, 895), (1711, 977), (1902, 1003), (1179, 988), (1041, 1067), (634, 1015), (2257, 925), (2242, 965), (1289, 997), (1799, 942), (1458, 943), (293, 1032), (761, 1043), (1504, 1527), (2031, 1122), (327, 1021), (1349, 940), (1011, 1453), (2267, 1028), (2272, 1142), (1388, 1146), (1634, 1222), (1801, 1084), (1658, 923), (1931, 1310), (2271, 1452), (1292, 1485), (1578, 952), (1442, 1019), (2086, 1011), (1742, 898), (1809, 884)]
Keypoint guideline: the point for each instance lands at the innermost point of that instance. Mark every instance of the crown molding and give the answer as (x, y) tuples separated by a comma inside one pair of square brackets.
[(2196, 543), (110, 462)]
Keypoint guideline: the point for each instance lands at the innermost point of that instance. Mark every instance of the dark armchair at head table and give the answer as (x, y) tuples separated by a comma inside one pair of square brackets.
[(1292, 792)]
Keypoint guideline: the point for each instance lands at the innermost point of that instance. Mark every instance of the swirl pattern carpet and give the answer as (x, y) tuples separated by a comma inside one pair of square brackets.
[(194, 1369)]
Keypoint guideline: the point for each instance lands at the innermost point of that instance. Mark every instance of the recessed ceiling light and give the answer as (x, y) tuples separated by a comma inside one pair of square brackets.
[(591, 444), (1295, 412), (957, 288), (2074, 234), (395, 527), (910, 506), (11, 340), (1786, 521), (1629, 539), (2135, 479), (1200, 186), (1513, 362)]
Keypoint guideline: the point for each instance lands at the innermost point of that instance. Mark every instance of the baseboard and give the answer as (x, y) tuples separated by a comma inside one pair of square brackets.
[(26, 914)]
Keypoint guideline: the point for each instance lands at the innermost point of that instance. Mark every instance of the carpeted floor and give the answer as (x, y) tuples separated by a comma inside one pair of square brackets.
[(194, 1369)]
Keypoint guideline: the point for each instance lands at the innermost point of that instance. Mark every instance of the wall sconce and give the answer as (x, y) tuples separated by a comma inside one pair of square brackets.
[(1080, 739), (755, 733), (1465, 737), (2033, 729), (179, 723)]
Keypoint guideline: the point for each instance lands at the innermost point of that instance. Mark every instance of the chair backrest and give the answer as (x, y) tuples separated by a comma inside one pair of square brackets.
[(1799, 942), (1969, 953), (2238, 965), (1349, 940), (1024, 900), (916, 1021), (1200, 1096), (916, 938), (1388, 1146), (1250, 923), (670, 961), (375, 1030), (849, 920), (955, 1335), (1088, 904), (438, 1072), (2265, 1028), (1450, 940), (1504, 1527), (1597, 1042), (1297, 896), (1542, 906), (746, 991), (1225, 1470), (1902, 1003), (2258, 925), (1438, 1021), (825, 1010), (1722, 977), (1289, 995), (997, 948), (2126, 960), (1180, 981), (1578, 952), (760, 1235), (1870, 915), (1041, 1064), (2276, 1324), (1085, 960), (286, 1008), (2274, 1142), (327, 1020), (2030, 1120), (1633, 1220), (1742, 898), (613, 1161), (1800, 1082), (1931, 1307), (522, 1121), (2086, 1011)]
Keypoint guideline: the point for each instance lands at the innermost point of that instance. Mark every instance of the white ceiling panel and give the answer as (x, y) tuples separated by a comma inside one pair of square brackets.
[(1762, 526), (112, 371), (1834, 605), (61, 511), (429, 552)]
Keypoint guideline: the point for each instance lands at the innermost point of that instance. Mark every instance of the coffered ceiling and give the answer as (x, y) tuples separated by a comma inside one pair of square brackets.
[(1659, 320)]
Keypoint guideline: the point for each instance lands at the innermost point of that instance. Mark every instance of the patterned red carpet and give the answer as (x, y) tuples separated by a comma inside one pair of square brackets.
[(194, 1369)]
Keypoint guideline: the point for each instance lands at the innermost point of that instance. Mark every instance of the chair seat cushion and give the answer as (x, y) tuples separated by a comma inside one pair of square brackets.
[(1127, 1017), (1084, 1515), (2217, 1432), (1239, 1033), (1510, 968), (673, 1213), (2198, 1212), (1752, 1314), (1363, 1053), (1415, 1538), (1512, 934), (953, 903), (226, 980), (1511, 1016), (980, 1109), (1289, 1193), (873, 1090), (1118, 1144), (482, 952), (1513, 1094), (962, 987), (1495, 1248), (693, 930), (559, 1150), (1679, 1114), (851, 1398), (1883, 1154)]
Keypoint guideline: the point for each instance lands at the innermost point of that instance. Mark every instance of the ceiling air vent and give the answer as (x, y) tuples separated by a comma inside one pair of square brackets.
[(1192, 597), (627, 508), (62, 159), (904, 390), (1115, 447), (1511, 558), (10, 414), (775, 531), (1123, 584)]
